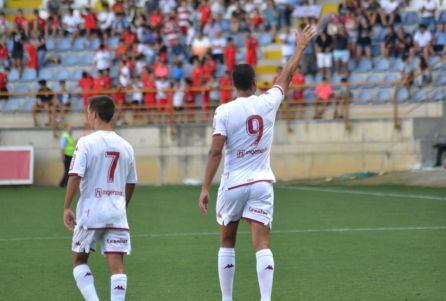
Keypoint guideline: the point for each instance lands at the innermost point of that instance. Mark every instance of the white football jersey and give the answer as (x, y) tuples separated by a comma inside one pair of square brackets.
[(106, 163), (248, 124)]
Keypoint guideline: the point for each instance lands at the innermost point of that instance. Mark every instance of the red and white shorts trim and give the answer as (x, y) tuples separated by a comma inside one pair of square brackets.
[(253, 202), (113, 241)]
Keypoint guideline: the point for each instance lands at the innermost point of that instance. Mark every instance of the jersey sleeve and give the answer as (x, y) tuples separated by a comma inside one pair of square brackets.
[(78, 164), (274, 96), (132, 177), (220, 123)]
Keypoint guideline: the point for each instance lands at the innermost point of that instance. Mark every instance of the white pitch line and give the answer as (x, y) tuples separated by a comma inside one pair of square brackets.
[(189, 234), (361, 192)]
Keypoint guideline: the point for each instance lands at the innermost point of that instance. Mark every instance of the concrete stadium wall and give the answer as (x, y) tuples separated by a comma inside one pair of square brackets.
[(170, 155)]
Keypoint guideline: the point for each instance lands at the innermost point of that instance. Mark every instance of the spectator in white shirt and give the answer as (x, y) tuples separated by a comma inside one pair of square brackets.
[(200, 46), (423, 42), (102, 58), (106, 18), (428, 9), (124, 73), (391, 8), (218, 44), (71, 24), (288, 44)]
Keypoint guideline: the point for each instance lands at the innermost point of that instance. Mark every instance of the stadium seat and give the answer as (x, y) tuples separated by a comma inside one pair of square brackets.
[(50, 44), (13, 75), (309, 79), (414, 63), (384, 96), (225, 25), (402, 95), (434, 60), (29, 75), (21, 88), (46, 74), (265, 39), (441, 80), (390, 79), (80, 44), (364, 97), (86, 59), (318, 78), (442, 17), (376, 50), (70, 60), (411, 18), (420, 95), (438, 95), (355, 78), (365, 65), (63, 44), (94, 44), (78, 104), (371, 80), (76, 74), (383, 64), (309, 96), (12, 105), (28, 104), (337, 78), (114, 71), (62, 74), (221, 70), (397, 65), (113, 42)]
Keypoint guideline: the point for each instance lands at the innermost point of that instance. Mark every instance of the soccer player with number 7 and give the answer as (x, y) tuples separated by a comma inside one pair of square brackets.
[(103, 165), (246, 127)]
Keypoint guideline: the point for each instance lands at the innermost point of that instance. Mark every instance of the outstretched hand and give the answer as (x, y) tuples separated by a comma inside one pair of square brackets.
[(304, 37)]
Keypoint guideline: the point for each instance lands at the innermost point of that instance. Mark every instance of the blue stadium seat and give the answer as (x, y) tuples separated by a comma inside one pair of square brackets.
[(364, 97), (309, 79), (420, 95), (63, 44), (382, 65), (442, 17), (78, 104), (441, 81), (383, 96), (438, 95), (309, 96), (411, 18), (62, 74), (12, 105), (94, 44), (402, 95), (397, 65), (221, 70), (113, 42), (390, 78), (355, 78), (29, 75), (265, 39), (77, 74), (13, 75), (28, 104), (86, 59), (21, 88), (365, 65), (50, 44), (318, 78), (70, 60), (114, 71), (80, 44), (371, 80), (46, 74), (225, 25), (434, 60), (376, 50)]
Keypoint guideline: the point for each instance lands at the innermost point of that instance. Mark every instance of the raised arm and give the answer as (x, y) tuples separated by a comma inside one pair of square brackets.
[(302, 40)]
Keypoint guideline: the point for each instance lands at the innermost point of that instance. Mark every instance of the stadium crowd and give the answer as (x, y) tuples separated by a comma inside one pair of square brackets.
[(176, 54)]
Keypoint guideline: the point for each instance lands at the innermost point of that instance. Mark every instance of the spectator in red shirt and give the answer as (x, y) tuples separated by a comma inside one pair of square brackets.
[(256, 20), (4, 53), (86, 84), (230, 55), (323, 92), (31, 55), (91, 21), (298, 80), (160, 68), (37, 24), (3, 85), (54, 25), (225, 88), (101, 82), (149, 83), (118, 7), (156, 19), (20, 21), (129, 36), (251, 50), (121, 50), (205, 13), (189, 97)]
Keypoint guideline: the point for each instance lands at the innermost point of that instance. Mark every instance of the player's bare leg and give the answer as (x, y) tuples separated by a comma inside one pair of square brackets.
[(226, 259), (84, 277), (265, 261), (118, 278)]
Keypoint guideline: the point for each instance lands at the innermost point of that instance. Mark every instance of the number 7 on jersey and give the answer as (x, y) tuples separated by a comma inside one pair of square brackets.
[(113, 164)]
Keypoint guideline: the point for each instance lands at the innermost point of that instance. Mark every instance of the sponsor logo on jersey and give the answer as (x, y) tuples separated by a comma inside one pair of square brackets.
[(252, 152), (257, 211), (99, 192), (117, 241), (120, 288), (229, 266)]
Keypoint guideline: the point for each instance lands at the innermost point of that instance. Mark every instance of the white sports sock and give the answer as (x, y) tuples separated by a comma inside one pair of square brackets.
[(118, 287), (85, 282), (265, 273), (226, 271)]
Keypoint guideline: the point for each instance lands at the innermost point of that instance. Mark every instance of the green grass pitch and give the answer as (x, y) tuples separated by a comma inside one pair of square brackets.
[(174, 248)]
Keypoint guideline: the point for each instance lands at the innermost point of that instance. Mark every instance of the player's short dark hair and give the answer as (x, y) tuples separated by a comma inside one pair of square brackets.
[(103, 106), (243, 76)]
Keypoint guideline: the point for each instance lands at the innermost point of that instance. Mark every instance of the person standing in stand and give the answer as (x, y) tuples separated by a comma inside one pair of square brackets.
[(67, 147)]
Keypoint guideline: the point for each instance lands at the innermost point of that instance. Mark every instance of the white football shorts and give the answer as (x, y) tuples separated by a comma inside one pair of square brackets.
[(112, 241), (253, 202)]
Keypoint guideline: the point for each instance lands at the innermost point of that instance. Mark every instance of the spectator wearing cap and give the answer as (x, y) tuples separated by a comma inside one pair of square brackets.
[(422, 42), (324, 48), (427, 10), (44, 101)]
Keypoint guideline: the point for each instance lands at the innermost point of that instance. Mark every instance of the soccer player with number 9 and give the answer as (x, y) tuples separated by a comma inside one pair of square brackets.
[(246, 127), (104, 167)]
